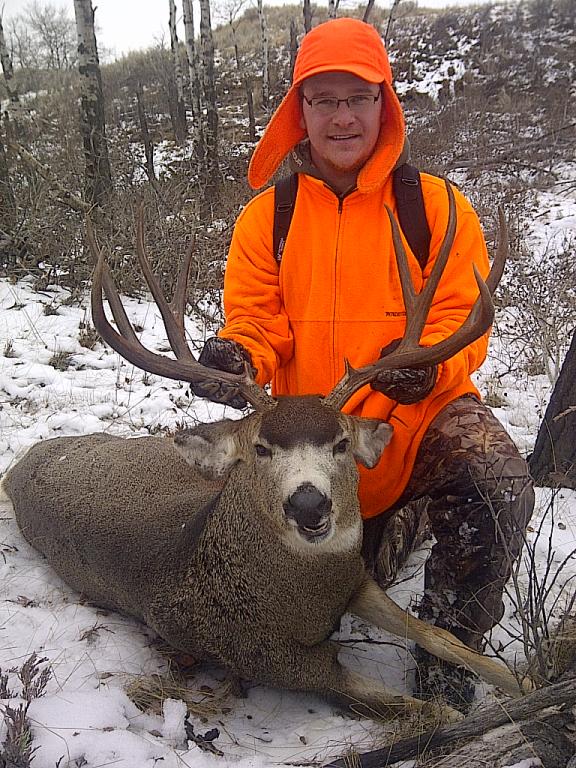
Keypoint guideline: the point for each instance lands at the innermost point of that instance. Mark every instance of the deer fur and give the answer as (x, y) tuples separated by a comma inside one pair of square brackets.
[(198, 537)]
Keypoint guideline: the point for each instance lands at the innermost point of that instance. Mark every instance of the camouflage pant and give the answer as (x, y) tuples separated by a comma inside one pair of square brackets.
[(475, 489)]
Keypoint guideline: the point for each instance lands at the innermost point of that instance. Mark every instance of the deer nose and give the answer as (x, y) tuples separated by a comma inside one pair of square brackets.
[(308, 506)]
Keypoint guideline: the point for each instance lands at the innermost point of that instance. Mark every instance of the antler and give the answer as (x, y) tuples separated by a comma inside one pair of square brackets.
[(409, 353), (124, 340)]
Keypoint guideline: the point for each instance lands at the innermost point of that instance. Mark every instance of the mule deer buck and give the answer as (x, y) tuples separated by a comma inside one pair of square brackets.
[(239, 541)]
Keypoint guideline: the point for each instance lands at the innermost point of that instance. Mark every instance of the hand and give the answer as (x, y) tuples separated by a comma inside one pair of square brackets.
[(405, 385), (224, 355)]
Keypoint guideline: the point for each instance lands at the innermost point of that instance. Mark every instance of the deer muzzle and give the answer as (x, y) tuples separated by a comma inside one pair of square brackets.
[(309, 509)]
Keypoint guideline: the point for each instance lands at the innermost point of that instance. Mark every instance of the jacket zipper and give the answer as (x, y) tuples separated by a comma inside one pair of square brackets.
[(334, 345)]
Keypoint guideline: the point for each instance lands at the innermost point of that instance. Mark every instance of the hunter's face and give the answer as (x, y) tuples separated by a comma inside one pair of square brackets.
[(342, 135)]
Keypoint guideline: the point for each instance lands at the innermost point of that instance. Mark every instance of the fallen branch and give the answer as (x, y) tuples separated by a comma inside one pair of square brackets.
[(541, 741), (483, 721)]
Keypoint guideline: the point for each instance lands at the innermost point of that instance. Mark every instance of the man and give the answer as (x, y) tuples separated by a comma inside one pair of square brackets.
[(336, 296)]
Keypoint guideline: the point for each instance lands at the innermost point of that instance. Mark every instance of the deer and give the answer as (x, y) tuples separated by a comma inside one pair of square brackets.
[(238, 541)]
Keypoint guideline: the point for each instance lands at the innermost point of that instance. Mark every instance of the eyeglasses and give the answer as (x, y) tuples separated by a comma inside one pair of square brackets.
[(328, 105)]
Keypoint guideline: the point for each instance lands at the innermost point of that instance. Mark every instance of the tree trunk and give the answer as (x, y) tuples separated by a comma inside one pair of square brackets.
[(293, 47), (7, 68), (250, 103), (180, 131), (9, 247), (390, 21), (265, 62), (148, 145), (307, 11), (98, 178), (553, 461), (368, 10), (195, 77), (209, 83), (331, 9), (7, 198)]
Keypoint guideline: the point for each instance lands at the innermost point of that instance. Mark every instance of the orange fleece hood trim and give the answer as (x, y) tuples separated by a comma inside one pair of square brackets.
[(338, 45)]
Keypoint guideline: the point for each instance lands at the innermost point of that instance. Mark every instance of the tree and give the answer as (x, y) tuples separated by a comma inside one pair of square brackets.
[(179, 109), (6, 61), (195, 78), (264, 48), (7, 197), (98, 176), (293, 47), (229, 11), (53, 32), (553, 461), (209, 83), (307, 12)]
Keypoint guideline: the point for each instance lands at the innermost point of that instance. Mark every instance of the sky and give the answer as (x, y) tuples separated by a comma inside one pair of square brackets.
[(132, 24)]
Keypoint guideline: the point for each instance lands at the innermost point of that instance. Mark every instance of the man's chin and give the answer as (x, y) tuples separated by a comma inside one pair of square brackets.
[(342, 165)]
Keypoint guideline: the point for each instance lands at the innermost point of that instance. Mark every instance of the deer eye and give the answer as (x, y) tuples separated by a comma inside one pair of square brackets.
[(341, 446), (261, 450)]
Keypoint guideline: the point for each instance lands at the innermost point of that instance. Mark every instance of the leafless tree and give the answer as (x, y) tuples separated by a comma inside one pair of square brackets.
[(146, 138), (195, 78), (368, 10), (53, 32), (332, 7), (265, 55), (179, 111), (22, 47), (6, 61), (7, 198), (293, 46), (307, 12), (229, 10), (391, 17), (209, 83), (98, 176)]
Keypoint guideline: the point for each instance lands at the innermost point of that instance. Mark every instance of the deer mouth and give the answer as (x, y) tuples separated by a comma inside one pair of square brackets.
[(317, 532)]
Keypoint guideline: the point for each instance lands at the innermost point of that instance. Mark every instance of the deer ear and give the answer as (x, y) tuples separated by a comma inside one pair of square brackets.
[(211, 448), (370, 437)]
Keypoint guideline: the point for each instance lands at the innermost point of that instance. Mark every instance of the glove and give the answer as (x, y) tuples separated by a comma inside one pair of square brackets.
[(405, 385), (224, 355)]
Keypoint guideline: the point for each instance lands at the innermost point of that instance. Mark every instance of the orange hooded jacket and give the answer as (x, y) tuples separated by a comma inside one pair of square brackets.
[(337, 293)]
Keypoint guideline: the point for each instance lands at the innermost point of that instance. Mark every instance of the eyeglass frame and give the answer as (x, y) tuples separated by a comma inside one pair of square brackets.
[(310, 102)]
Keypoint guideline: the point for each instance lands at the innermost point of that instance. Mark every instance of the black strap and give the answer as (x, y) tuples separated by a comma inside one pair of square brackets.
[(285, 192), (411, 212), (409, 202)]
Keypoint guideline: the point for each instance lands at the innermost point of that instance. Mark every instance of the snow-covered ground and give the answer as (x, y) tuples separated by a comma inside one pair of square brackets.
[(51, 385)]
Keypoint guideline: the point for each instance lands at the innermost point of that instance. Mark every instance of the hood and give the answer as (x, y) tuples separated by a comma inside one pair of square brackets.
[(338, 45)]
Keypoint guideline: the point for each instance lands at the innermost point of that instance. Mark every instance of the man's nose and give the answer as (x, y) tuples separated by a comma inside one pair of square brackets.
[(343, 112)]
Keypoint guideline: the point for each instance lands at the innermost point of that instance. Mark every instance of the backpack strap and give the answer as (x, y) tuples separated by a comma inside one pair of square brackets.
[(409, 202), (411, 211), (285, 192)]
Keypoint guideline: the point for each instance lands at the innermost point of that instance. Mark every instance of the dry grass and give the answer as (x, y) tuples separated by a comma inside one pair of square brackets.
[(149, 693)]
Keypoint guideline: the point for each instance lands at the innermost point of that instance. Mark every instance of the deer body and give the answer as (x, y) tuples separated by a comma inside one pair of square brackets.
[(207, 563), (237, 542)]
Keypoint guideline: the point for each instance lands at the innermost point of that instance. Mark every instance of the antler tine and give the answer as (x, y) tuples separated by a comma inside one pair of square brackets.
[(125, 341), (180, 298), (409, 354), (174, 327), (118, 311)]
